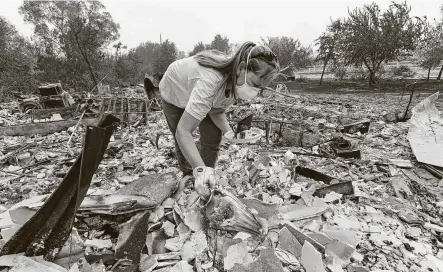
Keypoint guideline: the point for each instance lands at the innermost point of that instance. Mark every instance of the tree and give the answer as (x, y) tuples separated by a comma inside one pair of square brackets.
[(369, 37), (17, 61), (220, 43), (181, 54), (200, 46), (233, 47), (147, 52), (327, 45), (430, 51), (439, 28), (77, 32), (164, 56), (291, 54)]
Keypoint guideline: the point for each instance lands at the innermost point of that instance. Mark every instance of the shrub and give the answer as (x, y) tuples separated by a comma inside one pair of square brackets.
[(339, 72), (381, 72), (301, 79), (360, 74), (403, 71)]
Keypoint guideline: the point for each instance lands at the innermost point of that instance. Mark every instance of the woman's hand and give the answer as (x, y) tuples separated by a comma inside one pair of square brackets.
[(205, 180)]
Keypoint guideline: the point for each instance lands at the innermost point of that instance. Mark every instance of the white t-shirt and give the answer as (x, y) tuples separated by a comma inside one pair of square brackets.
[(195, 88)]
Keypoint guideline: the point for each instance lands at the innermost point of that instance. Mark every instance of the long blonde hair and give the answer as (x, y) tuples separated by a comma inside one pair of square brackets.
[(261, 59)]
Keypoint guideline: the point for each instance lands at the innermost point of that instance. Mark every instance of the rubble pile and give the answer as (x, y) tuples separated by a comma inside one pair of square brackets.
[(334, 186)]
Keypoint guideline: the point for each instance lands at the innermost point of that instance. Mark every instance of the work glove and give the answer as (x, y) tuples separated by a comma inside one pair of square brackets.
[(228, 135), (205, 180)]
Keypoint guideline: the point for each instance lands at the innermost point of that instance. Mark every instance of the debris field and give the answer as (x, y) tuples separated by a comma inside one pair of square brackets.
[(331, 185)]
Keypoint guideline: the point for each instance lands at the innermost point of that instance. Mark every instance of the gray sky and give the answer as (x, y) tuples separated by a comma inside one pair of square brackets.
[(188, 22)]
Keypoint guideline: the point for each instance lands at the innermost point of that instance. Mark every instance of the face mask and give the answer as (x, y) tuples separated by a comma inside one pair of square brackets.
[(247, 92)]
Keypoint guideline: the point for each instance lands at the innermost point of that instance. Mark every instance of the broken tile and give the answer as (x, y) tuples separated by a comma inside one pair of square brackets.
[(275, 199), (20, 263), (194, 220), (267, 261), (182, 266), (126, 179), (289, 156), (289, 243), (93, 267), (168, 228), (105, 256), (321, 238), (341, 250), (132, 237), (423, 173), (21, 215), (284, 176), (196, 245), (73, 247), (401, 163), (431, 263), (419, 248), (301, 237), (434, 227), (50, 265), (296, 189), (346, 236), (41, 175), (182, 229), (319, 202), (344, 188), (66, 262), (409, 216), (302, 213), (357, 268), (266, 198), (414, 231), (175, 244), (347, 223), (335, 268), (7, 233), (156, 242), (401, 188), (357, 257), (74, 268), (332, 196), (8, 260), (311, 259), (168, 203), (273, 235), (264, 210), (312, 226), (157, 214), (393, 170), (99, 243), (286, 257), (401, 267), (148, 262), (381, 239), (242, 236), (237, 254)]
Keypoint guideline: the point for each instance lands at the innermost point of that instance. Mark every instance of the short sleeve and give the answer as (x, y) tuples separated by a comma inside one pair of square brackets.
[(201, 99)]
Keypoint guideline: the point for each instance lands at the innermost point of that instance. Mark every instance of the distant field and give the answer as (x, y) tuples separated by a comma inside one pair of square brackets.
[(384, 90), (314, 72), (348, 86)]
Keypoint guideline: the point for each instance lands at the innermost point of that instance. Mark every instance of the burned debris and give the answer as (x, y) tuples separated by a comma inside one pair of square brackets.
[(349, 194)]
